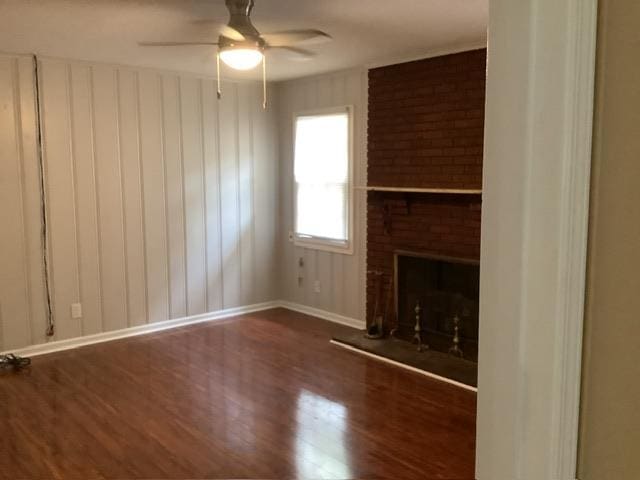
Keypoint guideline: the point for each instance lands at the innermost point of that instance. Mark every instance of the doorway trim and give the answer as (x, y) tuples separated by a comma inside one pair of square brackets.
[(538, 127)]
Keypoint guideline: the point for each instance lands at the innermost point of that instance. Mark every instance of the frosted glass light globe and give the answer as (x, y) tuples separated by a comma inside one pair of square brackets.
[(241, 58)]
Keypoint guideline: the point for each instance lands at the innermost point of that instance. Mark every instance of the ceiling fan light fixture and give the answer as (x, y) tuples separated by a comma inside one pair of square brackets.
[(241, 58), (241, 46)]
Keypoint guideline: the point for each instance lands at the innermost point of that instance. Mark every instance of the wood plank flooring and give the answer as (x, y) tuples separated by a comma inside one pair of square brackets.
[(262, 395)]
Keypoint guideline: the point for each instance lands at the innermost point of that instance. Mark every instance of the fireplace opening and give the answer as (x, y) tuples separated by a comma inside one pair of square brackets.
[(439, 293)]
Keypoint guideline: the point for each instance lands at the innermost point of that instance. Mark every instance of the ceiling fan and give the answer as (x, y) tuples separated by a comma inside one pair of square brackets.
[(242, 47)]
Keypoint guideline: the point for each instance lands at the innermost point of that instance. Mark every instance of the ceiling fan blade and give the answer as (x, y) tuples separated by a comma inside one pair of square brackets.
[(230, 32), (290, 37), (299, 51), (207, 21), (221, 29), (174, 44)]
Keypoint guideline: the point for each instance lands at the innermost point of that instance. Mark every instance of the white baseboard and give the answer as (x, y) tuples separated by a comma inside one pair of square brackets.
[(71, 343), (68, 344), (325, 315)]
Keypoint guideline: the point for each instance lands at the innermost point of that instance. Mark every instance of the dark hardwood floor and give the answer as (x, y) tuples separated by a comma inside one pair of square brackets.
[(262, 395)]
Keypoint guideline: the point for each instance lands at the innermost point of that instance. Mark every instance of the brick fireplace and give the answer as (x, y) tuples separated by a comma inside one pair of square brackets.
[(446, 292), (425, 143)]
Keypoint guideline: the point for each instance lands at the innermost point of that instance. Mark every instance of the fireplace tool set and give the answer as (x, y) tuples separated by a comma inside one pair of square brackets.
[(458, 311), (382, 316), (455, 348)]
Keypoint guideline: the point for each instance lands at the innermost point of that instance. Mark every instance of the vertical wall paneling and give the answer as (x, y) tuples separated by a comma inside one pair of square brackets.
[(132, 197), (298, 104), (265, 214), (153, 182), (86, 202), (14, 296), (229, 189), (172, 152), (31, 206), (338, 93), (110, 202), (162, 200), (341, 276), (194, 195), (211, 149), (245, 184), (286, 253), (310, 101), (59, 166)]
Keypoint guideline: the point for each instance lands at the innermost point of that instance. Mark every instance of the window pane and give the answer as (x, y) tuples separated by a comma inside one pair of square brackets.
[(321, 210), (321, 171), (322, 149)]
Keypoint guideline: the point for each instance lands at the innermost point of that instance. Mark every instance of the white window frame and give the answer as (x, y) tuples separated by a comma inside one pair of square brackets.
[(320, 243)]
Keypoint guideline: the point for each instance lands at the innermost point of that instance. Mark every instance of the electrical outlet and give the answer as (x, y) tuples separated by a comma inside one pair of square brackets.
[(76, 310), (316, 286)]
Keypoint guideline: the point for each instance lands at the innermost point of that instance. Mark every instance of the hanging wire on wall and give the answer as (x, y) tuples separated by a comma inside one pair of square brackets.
[(219, 91), (44, 232), (264, 82)]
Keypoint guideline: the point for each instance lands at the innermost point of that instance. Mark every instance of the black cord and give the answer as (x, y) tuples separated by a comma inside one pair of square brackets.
[(43, 202)]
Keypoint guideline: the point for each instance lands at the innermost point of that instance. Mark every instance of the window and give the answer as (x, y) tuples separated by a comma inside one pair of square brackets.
[(322, 175)]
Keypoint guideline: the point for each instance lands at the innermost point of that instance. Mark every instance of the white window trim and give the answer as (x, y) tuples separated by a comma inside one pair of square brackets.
[(318, 243)]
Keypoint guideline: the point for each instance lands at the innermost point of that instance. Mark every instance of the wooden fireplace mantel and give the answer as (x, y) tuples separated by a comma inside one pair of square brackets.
[(446, 191)]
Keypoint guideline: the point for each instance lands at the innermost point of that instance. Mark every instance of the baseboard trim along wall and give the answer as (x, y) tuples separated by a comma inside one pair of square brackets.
[(59, 345), (325, 315), (68, 344), (72, 343)]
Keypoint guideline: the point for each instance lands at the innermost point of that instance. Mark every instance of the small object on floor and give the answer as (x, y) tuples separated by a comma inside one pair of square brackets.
[(13, 361)]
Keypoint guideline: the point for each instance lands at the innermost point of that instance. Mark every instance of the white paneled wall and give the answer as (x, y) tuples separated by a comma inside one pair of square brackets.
[(162, 201), (22, 300), (341, 277)]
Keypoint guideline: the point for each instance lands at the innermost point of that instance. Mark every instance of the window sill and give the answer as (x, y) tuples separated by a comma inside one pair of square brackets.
[(323, 245)]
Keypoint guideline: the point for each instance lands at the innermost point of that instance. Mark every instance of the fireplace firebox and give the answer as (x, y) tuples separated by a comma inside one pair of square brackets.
[(446, 292)]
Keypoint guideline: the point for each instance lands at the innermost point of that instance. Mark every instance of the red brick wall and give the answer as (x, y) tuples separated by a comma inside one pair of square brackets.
[(426, 122), (425, 129)]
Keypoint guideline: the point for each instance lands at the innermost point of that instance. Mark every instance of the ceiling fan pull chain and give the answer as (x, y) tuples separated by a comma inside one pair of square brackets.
[(219, 92), (264, 82)]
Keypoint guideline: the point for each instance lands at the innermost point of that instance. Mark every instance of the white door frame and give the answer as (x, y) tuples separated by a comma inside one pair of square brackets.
[(541, 63)]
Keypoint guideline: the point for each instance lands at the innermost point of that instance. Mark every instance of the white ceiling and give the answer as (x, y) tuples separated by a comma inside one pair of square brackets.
[(365, 32)]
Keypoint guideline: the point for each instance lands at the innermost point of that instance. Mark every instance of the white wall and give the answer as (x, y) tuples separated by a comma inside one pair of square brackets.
[(342, 277), (162, 202), (22, 301)]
